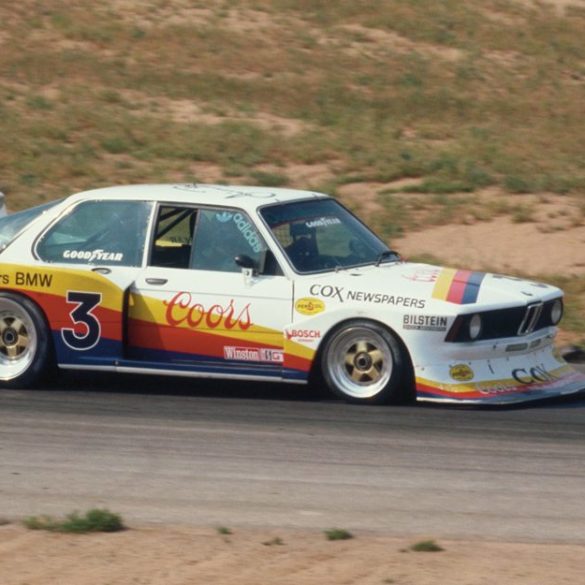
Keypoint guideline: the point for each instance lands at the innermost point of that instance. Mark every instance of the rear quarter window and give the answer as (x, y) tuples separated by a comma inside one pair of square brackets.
[(98, 232)]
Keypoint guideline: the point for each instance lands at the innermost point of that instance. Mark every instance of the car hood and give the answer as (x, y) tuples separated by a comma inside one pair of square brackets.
[(417, 285)]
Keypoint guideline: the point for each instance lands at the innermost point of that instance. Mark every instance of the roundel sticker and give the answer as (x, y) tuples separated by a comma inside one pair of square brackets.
[(309, 306), (461, 372)]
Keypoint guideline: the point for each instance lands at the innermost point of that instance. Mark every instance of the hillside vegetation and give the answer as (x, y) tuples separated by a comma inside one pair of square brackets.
[(424, 103)]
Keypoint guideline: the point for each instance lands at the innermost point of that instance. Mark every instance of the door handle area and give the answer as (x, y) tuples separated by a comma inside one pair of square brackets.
[(157, 281), (101, 270)]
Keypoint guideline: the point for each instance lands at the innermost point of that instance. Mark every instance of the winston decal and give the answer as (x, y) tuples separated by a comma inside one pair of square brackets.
[(253, 354), (182, 309)]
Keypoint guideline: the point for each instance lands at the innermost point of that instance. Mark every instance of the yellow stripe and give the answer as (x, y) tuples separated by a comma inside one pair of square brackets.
[(57, 281), (443, 283)]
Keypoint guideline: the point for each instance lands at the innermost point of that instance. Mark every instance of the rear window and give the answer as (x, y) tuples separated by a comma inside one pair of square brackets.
[(11, 225)]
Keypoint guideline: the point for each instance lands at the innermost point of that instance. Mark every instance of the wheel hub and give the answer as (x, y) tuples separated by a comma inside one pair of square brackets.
[(363, 361), (9, 336)]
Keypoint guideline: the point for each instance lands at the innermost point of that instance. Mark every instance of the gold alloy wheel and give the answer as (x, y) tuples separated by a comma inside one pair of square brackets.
[(360, 362), (18, 339)]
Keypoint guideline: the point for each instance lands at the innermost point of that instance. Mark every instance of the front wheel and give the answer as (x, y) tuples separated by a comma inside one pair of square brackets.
[(363, 362), (24, 342)]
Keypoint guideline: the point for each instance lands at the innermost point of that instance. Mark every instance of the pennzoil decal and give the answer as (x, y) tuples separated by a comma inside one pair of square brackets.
[(461, 372), (309, 306)]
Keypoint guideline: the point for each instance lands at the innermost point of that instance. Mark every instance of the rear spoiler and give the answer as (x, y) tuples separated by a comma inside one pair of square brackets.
[(2, 204)]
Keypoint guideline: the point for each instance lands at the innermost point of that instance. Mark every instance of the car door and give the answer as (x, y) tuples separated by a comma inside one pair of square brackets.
[(196, 308), (90, 256)]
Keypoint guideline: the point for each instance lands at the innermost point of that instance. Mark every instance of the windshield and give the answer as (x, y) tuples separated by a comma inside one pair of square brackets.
[(320, 234), (11, 225)]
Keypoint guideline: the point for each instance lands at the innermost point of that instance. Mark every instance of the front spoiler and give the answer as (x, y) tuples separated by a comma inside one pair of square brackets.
[(510, 380)]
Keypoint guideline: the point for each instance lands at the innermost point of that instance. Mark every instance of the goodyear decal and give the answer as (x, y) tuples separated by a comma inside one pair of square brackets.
[(458, 286)]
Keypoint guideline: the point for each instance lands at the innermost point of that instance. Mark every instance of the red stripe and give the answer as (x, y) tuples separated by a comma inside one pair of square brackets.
[(150, 335), (439, 392), (457, 288)]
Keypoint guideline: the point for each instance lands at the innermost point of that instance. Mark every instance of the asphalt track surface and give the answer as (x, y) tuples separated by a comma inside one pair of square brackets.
[(162, 450)]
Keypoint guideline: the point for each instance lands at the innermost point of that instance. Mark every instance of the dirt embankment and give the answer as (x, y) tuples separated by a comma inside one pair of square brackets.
[(190, 556)]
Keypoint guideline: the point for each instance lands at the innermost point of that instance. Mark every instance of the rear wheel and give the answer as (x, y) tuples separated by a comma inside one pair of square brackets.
[(24, 342), (363, 362)]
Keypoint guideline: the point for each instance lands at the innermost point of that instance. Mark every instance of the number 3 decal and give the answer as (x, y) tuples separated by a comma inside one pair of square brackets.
[(86, 302)]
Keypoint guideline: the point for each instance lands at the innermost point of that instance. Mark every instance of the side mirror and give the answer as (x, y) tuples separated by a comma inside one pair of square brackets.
[(245, 263)]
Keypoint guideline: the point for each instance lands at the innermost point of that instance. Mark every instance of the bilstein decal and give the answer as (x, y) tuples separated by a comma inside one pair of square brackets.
[(461, 373), (424, 322), (309, 306)]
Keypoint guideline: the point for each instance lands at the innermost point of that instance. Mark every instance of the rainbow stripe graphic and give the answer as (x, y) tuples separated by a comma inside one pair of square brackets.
[(458, 286)]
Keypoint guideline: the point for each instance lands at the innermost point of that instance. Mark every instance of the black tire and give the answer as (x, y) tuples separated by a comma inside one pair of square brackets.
[(25, 343), (362, 362)]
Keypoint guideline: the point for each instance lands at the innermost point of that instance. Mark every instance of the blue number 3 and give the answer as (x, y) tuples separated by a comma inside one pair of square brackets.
[(86, 302)]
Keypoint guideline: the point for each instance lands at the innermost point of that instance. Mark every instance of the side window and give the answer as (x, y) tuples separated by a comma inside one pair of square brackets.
[(173, 236), (223, 234), (98, 232)]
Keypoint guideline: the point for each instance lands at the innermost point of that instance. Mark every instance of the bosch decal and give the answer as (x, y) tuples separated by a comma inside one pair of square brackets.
[(303, 334)]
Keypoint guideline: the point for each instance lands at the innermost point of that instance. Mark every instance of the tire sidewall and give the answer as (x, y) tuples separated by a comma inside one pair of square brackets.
[(394, 390), (41, 359)]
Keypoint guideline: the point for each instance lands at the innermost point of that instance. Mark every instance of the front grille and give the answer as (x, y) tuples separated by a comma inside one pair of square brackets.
[(503, 323)]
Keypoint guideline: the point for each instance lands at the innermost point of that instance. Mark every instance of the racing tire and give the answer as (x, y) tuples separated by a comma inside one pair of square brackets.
[(362, 362), (25, 343)]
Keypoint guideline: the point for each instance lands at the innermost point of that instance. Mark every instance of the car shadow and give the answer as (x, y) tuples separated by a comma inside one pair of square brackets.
[(106, 382)]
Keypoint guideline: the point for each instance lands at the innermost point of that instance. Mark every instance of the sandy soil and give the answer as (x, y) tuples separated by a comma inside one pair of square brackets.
[(182, 556), (503, 246)]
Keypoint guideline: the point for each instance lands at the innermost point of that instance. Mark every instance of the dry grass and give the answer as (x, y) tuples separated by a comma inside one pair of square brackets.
[(461, 95)]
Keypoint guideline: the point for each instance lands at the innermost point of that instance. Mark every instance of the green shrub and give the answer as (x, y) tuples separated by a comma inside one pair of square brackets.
[(94, 520), (338, 534), (426, 546)]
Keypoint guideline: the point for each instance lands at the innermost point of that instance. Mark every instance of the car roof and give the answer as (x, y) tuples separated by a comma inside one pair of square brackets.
[(244, 197)]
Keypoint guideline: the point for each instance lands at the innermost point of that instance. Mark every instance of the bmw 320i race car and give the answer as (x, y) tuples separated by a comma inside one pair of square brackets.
[(263, 284)]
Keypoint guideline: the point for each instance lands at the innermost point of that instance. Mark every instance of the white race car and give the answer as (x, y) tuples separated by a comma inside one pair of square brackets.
[(263, 284)]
